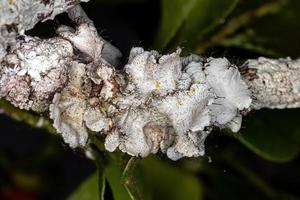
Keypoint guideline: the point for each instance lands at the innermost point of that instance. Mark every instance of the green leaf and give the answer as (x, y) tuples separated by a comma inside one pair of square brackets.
[(89, 189), (128, 177), (273, 134), (113, 173), (157, 179), (273, 34), (190, 20), (244, 14)]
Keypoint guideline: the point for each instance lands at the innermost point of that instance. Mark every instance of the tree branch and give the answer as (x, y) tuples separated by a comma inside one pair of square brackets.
[(164, 103)]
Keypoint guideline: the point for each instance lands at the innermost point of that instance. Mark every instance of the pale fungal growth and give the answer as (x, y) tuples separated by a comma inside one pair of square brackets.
[(150, 74), (231, 93), (189, 115), (95, 120), (86, 40), (157, 103), (105, 74), (68, 108), (75, 109), (170, 107)]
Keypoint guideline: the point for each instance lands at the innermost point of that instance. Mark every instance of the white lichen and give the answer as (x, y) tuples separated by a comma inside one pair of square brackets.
[(152, 75), (24, 14), (96, 121), (189, 115), (33, 71), (86, 40), (275, 83), (68, 108), (157, 103), (170, 106), (231, 92)]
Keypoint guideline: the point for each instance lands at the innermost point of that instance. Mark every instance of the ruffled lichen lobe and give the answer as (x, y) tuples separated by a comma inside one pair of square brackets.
[(68, 108), (170, 105), (156, 103)]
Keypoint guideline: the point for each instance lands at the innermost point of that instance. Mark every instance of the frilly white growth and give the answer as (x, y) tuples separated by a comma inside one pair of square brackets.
[(17, 16), (188, 113), (150, 74), (86, 40), (33, 71), (75, 110), (159, 103), (231, 93), (69, 107), (167, 104), (172, 107)]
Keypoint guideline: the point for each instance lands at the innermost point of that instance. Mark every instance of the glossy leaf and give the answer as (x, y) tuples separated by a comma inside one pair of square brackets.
[(190, 20), (113, 173), (273, 134), (90, 189), (157, 179), (264, 36)]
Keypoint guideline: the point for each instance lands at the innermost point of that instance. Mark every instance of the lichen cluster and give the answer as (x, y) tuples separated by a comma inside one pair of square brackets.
[(165, 103), (171, 105), (155, 103), (33, 70)]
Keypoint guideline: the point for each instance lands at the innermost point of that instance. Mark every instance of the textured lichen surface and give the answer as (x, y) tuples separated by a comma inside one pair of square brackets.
[(156, 103), (17, 16), (24, 14), (34, 70), (159, 103), (277, 82)]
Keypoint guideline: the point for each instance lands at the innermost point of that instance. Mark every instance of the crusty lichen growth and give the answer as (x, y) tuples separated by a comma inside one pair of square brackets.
[(157, 103), (33, 70), (275, 83), (24, 14), (17, 16), (161, 103), (171, 105)]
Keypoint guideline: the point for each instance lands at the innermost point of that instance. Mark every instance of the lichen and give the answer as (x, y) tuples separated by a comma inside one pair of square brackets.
[(24, 14), (68, 108), (276, 82), (157, 103), (33, 71), (170, 104)]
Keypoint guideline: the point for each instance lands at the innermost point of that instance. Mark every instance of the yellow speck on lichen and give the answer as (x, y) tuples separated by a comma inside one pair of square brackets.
[(157, 84), (12, 2), (193, 89)]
